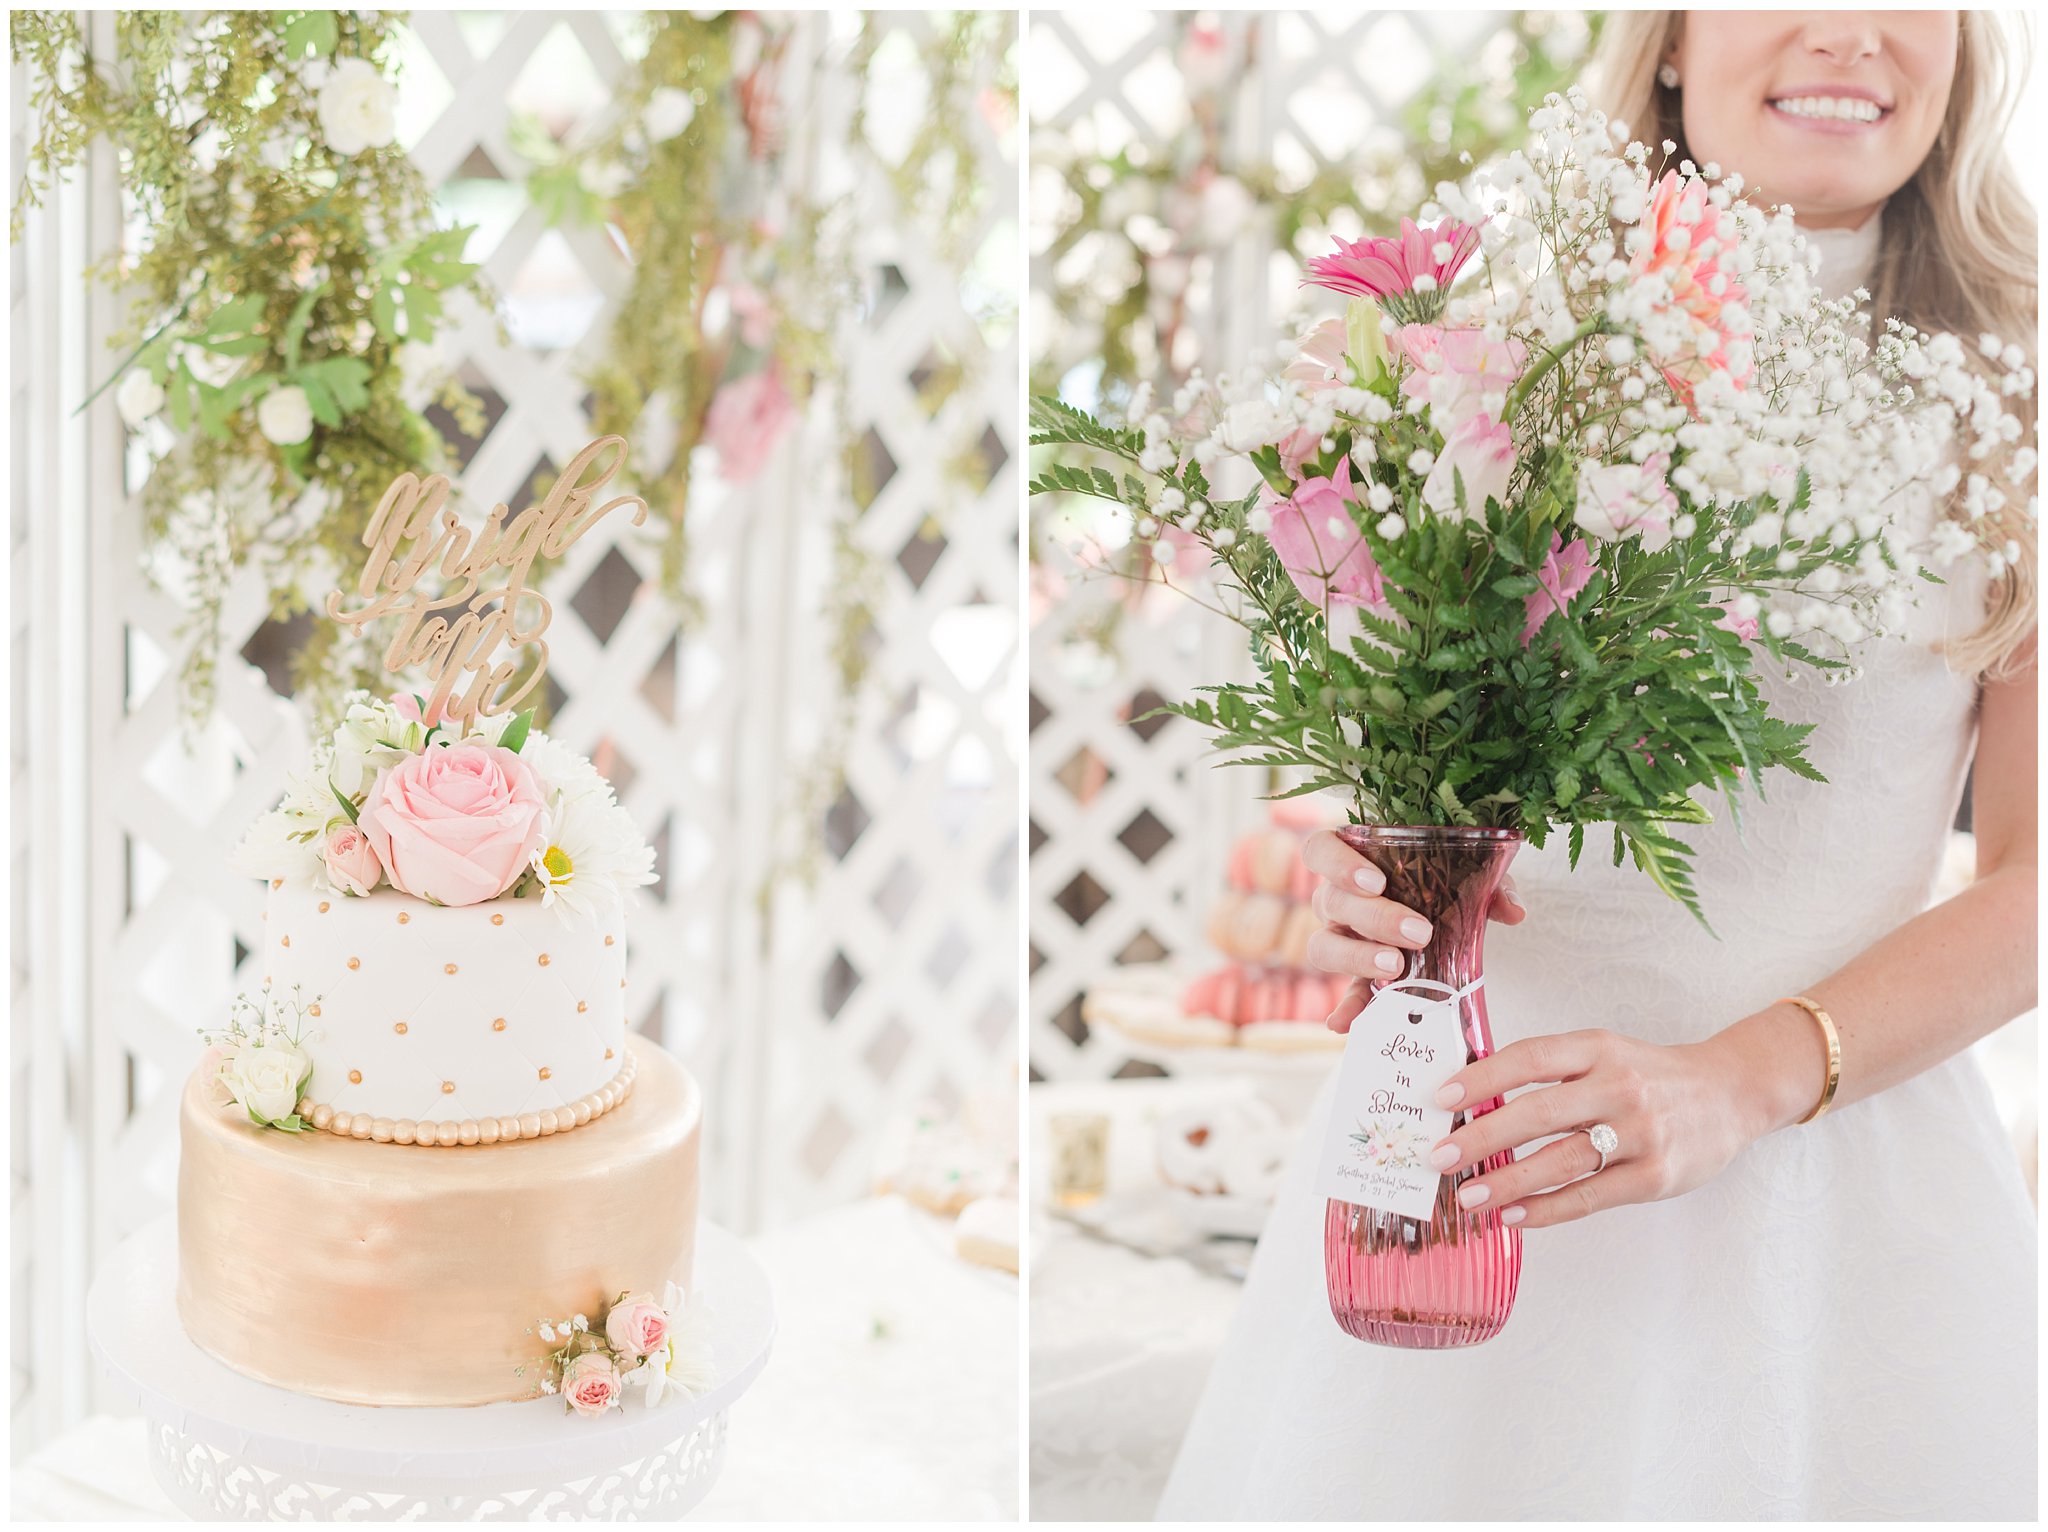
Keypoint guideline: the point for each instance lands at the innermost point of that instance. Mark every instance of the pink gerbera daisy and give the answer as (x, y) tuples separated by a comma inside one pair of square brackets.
[(1408, 274)]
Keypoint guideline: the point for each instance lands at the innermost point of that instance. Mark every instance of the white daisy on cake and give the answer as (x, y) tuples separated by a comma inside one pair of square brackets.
[(567, 772), (591, 854)]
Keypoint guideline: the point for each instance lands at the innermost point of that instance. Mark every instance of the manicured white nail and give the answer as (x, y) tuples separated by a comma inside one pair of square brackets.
[(1415, 930), (1471, 1196), (1371, 879), (1388, 962), (1450, 1095), (1444, 1156), (1513, 898), (1513, 1216)]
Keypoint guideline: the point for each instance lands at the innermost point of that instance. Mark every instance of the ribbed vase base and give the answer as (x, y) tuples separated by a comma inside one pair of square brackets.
[(1430, 1333)]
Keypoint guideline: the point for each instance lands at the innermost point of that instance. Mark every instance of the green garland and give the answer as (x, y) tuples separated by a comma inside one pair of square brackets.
[(281, 281)]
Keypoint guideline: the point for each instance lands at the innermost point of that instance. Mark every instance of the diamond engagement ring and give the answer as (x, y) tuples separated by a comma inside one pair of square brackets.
[(1605, 1141)]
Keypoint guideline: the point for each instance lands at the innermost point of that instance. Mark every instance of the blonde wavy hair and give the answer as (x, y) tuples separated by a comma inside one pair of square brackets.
[(1957, 251)]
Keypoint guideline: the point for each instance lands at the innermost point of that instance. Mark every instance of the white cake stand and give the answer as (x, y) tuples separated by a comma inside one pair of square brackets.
[(226, 1447)]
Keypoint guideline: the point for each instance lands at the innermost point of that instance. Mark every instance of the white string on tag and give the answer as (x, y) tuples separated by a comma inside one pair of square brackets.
[(1442, 988)]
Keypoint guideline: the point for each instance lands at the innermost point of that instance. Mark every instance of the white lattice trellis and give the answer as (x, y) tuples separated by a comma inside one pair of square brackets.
[(1130, 825), (129, 929)]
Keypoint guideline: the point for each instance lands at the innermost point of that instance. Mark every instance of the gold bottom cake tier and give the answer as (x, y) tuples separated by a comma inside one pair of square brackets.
[(388, 1274)]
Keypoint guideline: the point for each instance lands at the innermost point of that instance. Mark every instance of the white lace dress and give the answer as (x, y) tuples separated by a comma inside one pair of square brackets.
[(1841, 1324)]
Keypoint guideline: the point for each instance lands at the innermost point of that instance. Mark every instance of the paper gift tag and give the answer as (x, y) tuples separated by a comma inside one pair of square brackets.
[(1384, 1119)]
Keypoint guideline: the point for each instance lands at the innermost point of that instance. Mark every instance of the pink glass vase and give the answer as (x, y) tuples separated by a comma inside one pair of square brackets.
[(1449, 1281)]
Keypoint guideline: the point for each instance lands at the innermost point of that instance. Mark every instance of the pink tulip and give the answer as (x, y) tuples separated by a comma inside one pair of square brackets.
[(1481, 455), (1454, 371), (1321, 548), (1566, 570)]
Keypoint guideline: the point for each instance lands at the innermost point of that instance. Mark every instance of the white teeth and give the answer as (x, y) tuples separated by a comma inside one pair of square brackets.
[(1831, 108)]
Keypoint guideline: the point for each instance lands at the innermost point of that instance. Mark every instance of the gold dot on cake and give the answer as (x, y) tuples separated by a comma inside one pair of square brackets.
[(284, 941), (582, 1006), (323, 906), (545, 1071), (355, 1077), (447, 1087), (498, 1025), (313, 1010), (450, 968), (607, 1053), (403, 918), (497, 920), (607, 941), (355, 962), (398, 1027), (277, 882), (543, 960)]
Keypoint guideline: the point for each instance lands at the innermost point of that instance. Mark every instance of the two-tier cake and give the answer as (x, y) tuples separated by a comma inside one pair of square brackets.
[(429, 1122), (423, 1164)]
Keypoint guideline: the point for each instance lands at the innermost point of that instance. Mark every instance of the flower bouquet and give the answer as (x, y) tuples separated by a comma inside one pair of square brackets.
[(1512, 536)]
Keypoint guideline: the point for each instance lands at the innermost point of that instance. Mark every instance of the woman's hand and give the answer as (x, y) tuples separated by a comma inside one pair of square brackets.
[(1680, 1111), (1365, 933)]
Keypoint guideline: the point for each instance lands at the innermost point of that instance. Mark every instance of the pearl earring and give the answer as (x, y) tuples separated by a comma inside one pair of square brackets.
[(1667, 77)]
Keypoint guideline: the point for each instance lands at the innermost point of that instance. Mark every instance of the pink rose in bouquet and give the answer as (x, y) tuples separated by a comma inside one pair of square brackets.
[(636, 1325), (746, 419), (590, 1382), (1743, 628), (458, 824), (351, 864)]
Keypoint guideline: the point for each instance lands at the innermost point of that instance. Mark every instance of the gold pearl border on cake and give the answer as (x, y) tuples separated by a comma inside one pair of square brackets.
[(472, 1130)]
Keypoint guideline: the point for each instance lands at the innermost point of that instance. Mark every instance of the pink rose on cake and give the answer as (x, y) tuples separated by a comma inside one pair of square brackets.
[(351, 865), (590, 1383), (637, 1326), (456, 824)]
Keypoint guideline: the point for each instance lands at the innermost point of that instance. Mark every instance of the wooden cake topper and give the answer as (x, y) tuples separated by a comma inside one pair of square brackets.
[(483, 573)]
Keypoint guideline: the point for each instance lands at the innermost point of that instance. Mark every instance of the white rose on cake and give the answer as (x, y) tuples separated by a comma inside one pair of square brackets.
[(356, 108), (265, 1079)]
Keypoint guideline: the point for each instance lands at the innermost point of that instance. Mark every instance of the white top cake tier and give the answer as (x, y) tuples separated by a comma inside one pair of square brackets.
[(419, 1011)]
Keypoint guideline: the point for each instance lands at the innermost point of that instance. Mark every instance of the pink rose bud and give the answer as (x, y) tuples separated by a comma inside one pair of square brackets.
[(636, 1325), (459, 824), (590, 1383), (351, 864)]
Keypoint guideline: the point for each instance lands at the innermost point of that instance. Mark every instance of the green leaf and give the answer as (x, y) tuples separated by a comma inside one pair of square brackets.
[(310, 34), (295, 327), (346, 807), (516, 731)]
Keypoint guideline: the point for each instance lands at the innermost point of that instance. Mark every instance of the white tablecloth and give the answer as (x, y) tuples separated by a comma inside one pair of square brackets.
[(1121, 1343), (892, 1392)]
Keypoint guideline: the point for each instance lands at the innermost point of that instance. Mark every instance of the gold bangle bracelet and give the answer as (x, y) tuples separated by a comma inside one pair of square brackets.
[(1834, 1042)]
